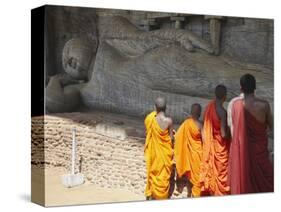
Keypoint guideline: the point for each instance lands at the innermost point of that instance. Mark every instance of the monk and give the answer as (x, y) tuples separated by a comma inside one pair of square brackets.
[(188, 149), (213, 176), (158, 152), (250, 169)]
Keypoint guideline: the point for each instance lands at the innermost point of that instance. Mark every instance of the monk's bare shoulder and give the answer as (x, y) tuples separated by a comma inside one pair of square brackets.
[(169, 121), (262, 105), (200, 124)]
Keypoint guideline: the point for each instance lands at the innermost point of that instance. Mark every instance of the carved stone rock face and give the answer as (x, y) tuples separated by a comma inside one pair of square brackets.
[(78, 55), (132, 67), (129, 83)]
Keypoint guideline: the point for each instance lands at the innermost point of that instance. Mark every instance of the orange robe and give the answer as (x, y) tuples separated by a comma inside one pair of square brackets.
[(188, 153), (213, 174), (158, 155)]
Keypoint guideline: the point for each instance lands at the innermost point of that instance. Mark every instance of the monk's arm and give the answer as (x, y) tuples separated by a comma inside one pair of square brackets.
[(225, 133), (203, 136), (201, 131), (171, 130), (269, 117)]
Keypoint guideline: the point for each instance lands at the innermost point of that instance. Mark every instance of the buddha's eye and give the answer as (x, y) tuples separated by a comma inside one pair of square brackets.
[(74, 63), (69, 62)]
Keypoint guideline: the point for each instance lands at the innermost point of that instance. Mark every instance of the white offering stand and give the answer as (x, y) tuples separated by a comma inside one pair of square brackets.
[(72, 179)]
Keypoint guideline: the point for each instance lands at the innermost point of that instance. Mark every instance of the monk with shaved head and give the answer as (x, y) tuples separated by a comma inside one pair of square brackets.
[(216, 136), (158, 151), (250, 169), (188, 152)]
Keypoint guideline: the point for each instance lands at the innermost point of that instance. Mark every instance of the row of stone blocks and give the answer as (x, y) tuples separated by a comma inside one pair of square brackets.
[(111, 161), (105, 161)]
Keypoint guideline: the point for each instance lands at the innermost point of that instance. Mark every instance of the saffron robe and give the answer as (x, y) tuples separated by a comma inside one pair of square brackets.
[(213, 176), (188, 153), (158, 155), (250, 169)]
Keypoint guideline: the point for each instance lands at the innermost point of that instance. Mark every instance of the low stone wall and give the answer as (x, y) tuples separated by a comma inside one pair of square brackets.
[(105, 161)]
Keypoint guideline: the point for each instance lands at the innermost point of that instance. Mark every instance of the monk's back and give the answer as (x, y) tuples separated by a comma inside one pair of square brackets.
[(163, 122), (158, 155), (250, 169), (257, 108)]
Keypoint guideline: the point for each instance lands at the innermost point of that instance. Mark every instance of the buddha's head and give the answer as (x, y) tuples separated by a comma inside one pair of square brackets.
[(78, 55)]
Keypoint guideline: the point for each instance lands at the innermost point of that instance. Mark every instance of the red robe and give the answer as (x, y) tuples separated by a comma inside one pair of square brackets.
[(213, 176), (250, 170)]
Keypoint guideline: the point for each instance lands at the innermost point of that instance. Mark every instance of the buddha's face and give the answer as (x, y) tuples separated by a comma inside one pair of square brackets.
[(76, 70), (78, 55)]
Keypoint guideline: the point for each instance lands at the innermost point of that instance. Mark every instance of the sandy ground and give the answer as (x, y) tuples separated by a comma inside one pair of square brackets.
[(57, 195)]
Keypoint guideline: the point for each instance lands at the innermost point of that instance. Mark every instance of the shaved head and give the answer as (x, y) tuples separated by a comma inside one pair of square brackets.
[(248, 83), (220, 92), (196, 110), (160, 104)]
